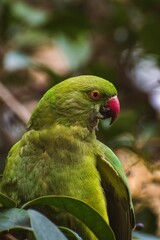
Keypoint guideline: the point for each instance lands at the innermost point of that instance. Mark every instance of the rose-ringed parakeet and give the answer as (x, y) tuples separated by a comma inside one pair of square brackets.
[(59, 154)]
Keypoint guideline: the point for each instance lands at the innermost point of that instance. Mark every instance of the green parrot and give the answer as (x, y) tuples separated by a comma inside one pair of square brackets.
[(60, 154)]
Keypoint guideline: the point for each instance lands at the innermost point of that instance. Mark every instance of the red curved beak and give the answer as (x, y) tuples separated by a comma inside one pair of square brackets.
[(111, 109), (113, 106)]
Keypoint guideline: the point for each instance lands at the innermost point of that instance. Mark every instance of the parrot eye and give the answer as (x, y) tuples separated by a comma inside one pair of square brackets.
[(95, 95)]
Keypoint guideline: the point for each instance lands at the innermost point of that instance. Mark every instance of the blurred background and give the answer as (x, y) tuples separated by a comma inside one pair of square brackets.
[(43, 42)]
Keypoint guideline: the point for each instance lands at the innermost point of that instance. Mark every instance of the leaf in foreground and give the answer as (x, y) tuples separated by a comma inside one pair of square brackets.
[(6, 201), (80, 210), (14, 218), (43, 228), (70, 234)]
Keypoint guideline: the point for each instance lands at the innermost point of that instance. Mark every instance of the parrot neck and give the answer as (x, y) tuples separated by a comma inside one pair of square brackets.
[(64, 137), (76, 131), (65, 143)]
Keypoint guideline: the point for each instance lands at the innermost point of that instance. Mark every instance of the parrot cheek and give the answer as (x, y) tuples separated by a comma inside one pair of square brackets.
[(94, 117)]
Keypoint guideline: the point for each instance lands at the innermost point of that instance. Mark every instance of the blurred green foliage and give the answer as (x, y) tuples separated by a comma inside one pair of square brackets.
[(98, 37)]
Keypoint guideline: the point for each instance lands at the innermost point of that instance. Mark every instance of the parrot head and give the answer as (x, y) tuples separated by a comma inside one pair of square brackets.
[(82, 100)]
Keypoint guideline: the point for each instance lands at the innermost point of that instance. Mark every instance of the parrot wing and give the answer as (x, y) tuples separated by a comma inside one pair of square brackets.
[(119, 203)]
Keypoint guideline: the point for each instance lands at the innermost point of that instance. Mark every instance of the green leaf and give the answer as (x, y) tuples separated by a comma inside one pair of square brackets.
[(30, 15), (70, 234), (80, 210), (6, 201), (14, 218), (43, 228)]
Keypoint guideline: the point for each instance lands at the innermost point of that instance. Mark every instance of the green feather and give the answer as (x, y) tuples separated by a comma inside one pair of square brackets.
[(114, 182), (59, 154)]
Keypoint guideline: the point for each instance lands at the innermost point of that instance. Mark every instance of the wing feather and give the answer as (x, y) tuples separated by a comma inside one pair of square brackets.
[(119, 203)]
